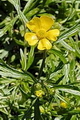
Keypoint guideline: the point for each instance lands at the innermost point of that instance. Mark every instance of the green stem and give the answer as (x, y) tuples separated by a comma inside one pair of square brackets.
[(37, 111), (36, 106), (42, 65)]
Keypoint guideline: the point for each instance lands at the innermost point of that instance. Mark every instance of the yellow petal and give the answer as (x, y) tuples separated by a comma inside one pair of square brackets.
[(46, 22), (44, 44), (52, 34), (31, 38), (34, 24)]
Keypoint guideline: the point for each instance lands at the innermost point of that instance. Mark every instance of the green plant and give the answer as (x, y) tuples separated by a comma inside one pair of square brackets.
[(38, 84)]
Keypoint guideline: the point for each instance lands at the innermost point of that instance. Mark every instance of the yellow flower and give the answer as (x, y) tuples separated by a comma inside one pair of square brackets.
[(63, 104), (41, 32), (39, 93)]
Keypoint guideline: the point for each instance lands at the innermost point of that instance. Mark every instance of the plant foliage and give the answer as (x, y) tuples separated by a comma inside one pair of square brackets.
[(25, 70)]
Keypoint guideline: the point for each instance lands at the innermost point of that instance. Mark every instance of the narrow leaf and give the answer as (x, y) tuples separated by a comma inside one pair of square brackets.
[(69, 89), (20, 13), (9, 72), (68, 47), (58, 53), (7, 27), (30, 57), (68, 33)]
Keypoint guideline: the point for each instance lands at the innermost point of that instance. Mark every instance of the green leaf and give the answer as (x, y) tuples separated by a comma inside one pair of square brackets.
[(20, 13), (70, 1), (6, 80), (68, 47), (3, 110), (70, 32), (75, 45), (74, 117), (19, 42), (27, 113), (30, 5), (61, 98), (9, 72), (3, 53), (75, 92), (32, 12), (23, 59), (7, 27), (73, 112), (72, 71), (69, 89), (66, 70), (30, 57), (58, 53)]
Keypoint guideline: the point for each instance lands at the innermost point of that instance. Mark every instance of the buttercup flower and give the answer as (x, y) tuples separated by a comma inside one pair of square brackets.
[(41, 32)]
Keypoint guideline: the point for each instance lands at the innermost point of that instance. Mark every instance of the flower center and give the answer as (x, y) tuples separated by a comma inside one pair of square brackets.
[(41, 33)]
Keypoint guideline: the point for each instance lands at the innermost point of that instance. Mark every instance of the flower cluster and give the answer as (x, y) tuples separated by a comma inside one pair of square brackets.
[(41, 33)]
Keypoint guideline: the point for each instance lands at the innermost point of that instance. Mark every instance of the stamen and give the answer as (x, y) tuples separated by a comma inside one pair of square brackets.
[(41, 33)]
